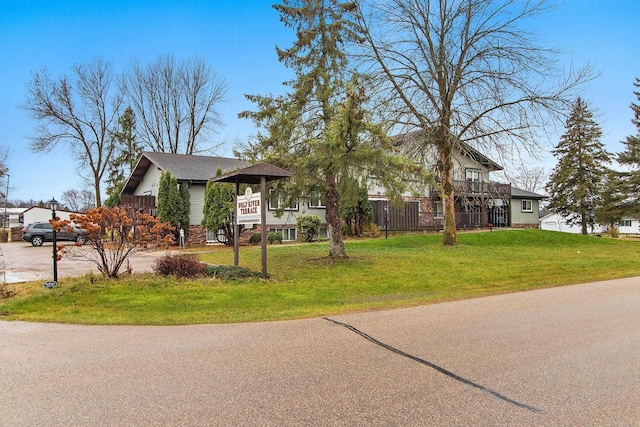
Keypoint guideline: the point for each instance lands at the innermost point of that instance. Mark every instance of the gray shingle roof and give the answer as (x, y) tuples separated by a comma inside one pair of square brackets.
[(194, 168), (518, 193), (184, 167)]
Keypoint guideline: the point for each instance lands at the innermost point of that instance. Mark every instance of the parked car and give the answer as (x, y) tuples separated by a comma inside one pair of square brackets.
[(40, 232)]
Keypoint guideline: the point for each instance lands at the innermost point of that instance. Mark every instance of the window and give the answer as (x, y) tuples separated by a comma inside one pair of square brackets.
[(216, 236), (527, 206), (288, 234), (276, 202), (626, 223), (474, 180), (323, 234), (473, 175), (317, 200), (438, 209)]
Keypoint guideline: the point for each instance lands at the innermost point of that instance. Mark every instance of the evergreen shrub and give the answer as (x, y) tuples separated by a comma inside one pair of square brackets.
[(274, 237), (229, 272), (255, 239)]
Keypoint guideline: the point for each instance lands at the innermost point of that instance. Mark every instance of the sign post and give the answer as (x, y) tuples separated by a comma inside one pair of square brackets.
[(252, 208)]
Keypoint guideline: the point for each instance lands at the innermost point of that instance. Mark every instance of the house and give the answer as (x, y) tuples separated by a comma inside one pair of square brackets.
[(557, 222), (141, 191), (11, 217), (193, 170), (629, 226), (38, 214), (479, 201), (525, 208)]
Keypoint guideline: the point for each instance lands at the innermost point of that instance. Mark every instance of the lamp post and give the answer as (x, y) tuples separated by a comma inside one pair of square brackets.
[(53, 204), (386, 219)]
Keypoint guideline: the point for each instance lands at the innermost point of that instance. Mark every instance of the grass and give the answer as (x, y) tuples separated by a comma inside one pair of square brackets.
[(401, 271)]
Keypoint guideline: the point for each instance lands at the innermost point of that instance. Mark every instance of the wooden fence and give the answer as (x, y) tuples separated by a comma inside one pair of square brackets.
[(405, 217)]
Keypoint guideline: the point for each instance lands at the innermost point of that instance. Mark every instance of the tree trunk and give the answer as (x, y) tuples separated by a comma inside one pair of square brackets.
[(336, 244), (445, 167), (96, 188)]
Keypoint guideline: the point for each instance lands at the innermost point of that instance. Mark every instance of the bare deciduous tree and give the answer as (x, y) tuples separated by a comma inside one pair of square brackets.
[(465, 71), (78, 200), (175, 104), (77, 112), (527, 178)]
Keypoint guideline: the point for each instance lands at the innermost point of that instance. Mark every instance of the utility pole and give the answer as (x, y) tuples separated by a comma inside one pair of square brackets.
[(6, 199)]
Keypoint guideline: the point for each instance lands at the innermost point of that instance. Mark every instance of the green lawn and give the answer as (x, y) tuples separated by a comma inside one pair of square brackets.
[(401, 271)]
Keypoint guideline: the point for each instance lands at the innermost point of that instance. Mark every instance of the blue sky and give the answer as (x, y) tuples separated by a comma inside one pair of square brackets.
[(237, 38)]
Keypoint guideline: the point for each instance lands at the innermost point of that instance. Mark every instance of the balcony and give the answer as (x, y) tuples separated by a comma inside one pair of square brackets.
[(489, 190)]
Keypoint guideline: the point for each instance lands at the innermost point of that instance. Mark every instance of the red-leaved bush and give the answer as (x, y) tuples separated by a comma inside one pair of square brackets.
[(114, 236)]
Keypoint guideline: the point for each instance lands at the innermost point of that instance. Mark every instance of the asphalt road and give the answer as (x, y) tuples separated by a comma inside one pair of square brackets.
[(564, 356)]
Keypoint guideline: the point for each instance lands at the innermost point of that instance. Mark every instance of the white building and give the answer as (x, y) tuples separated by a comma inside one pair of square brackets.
[(11, 217), (556, 222), (629, 226), (38, 214)]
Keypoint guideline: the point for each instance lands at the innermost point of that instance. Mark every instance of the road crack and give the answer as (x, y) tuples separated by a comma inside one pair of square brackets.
[(436, 367)]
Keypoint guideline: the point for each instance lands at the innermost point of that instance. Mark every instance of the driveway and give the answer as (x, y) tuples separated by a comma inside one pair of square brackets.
[(21, 262), (560, 356)]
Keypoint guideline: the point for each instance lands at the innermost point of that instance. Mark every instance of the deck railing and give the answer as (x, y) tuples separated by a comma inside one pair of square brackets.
[(482, 189)]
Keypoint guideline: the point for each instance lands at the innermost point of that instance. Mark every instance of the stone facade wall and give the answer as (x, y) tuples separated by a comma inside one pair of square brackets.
[(525, 226), (427, 212), (197, 236)]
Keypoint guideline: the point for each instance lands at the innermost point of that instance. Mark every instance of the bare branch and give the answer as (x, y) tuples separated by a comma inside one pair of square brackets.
[(175, 104), (466, 71), (76, 112)]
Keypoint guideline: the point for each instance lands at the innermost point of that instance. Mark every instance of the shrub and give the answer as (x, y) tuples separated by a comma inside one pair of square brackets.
[(613, 232), (113, 235), (274, 237), (180, 265), (230, 272), (356, 213), (255, 239), (5, 292), (309, 225), (370, 230)]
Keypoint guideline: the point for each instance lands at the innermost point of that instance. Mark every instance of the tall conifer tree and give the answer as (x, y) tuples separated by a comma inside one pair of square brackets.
[(174, 203), (126, 155), (630, 157), (574, 184), (321, 131)]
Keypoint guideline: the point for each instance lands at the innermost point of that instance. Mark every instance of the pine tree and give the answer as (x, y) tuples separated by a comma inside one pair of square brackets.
[(574, 184), (173, 202), (128, 151), (611, 204), (184, 203), (321, 130), (630, 157)]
